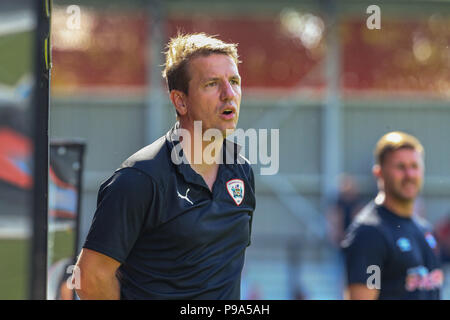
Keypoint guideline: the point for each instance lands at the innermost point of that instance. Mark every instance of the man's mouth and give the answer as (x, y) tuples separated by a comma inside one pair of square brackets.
[(228, 110), (410, 186), (228, 113), (409, 183)]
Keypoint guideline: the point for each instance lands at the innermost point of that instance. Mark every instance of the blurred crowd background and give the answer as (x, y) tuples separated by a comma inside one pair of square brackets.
[(315, 70)]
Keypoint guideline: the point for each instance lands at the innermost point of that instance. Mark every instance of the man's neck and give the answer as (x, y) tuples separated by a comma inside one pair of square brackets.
[(203, 156), (404, 209)]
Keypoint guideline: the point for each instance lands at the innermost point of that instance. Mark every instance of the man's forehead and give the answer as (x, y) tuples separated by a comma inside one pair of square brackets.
[(213, 65), (405, 154)]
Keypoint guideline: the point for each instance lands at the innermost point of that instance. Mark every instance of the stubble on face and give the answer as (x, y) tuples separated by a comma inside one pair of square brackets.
[(402, 174), (214, 92)]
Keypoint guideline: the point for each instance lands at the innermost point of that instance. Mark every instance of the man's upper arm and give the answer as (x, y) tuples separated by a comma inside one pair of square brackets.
[(365, 252), (97, 276), (358, 291), (90, 260), (121, 213)]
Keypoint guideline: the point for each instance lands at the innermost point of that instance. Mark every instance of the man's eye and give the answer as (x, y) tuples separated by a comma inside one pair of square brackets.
[(234, 81), (211, 84)]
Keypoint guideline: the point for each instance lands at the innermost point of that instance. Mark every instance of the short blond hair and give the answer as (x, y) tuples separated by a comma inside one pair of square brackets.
[(184, 47), (396, 140)]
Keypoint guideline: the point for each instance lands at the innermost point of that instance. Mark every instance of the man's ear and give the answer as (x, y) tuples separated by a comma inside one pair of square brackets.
[(178, 99), (376, 171)]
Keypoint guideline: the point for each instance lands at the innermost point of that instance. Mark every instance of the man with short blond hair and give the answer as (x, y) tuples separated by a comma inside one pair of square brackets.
[(391, 253), (183, 48), (169, 229)]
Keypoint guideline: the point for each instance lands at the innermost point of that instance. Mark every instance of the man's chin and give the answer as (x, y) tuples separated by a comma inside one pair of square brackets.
[(407, 196), (228, 130)]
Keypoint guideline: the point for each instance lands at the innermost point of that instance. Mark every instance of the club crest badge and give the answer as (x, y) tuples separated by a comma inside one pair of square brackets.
[(404, 244), (236, 190)]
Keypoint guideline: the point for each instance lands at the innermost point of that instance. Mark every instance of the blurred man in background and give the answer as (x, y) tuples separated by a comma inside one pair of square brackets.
[(391, 254), (168, 226), (343, 210)]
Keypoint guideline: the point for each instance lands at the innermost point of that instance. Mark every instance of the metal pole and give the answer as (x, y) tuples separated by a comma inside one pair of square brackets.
[(40, 116), (331, 112), (154, 110), (82, 147)]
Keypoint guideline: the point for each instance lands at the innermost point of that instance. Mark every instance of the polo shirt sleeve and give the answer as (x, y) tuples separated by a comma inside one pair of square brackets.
[(363, 247), (122, 209)]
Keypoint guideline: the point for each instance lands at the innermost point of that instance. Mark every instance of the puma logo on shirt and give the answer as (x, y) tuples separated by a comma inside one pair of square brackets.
[(185, 197)]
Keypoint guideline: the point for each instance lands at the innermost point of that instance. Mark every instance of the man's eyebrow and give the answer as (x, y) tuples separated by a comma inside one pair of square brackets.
[(211, 78), (206, 79)]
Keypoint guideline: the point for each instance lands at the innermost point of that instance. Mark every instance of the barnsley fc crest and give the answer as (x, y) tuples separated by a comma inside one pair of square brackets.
[(236, 190)]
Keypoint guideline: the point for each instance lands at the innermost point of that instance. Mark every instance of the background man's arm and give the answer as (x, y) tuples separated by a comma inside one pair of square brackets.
[(97, 276), (359, 291), (364, 246)]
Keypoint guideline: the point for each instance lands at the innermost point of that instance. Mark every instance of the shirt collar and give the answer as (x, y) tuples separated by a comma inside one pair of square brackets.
[(230, 157)]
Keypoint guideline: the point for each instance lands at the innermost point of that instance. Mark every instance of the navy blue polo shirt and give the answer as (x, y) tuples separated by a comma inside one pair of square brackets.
[(404, 249), (174, 237)]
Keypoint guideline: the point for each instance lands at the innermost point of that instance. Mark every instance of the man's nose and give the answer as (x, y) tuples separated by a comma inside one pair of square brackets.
[(227, 92), (411, 172)]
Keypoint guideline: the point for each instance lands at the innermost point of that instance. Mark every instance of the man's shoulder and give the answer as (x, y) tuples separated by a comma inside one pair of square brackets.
[(232, 156), (153, 160), (367, 224), (423, 224), (368, 216), (244, 169), (244, 163)]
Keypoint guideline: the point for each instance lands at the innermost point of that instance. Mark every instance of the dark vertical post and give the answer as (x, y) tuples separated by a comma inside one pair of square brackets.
[(81, 145), (40, 117)]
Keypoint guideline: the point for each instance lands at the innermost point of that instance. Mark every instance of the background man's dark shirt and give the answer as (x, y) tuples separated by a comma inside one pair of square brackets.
[(403, 248)]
